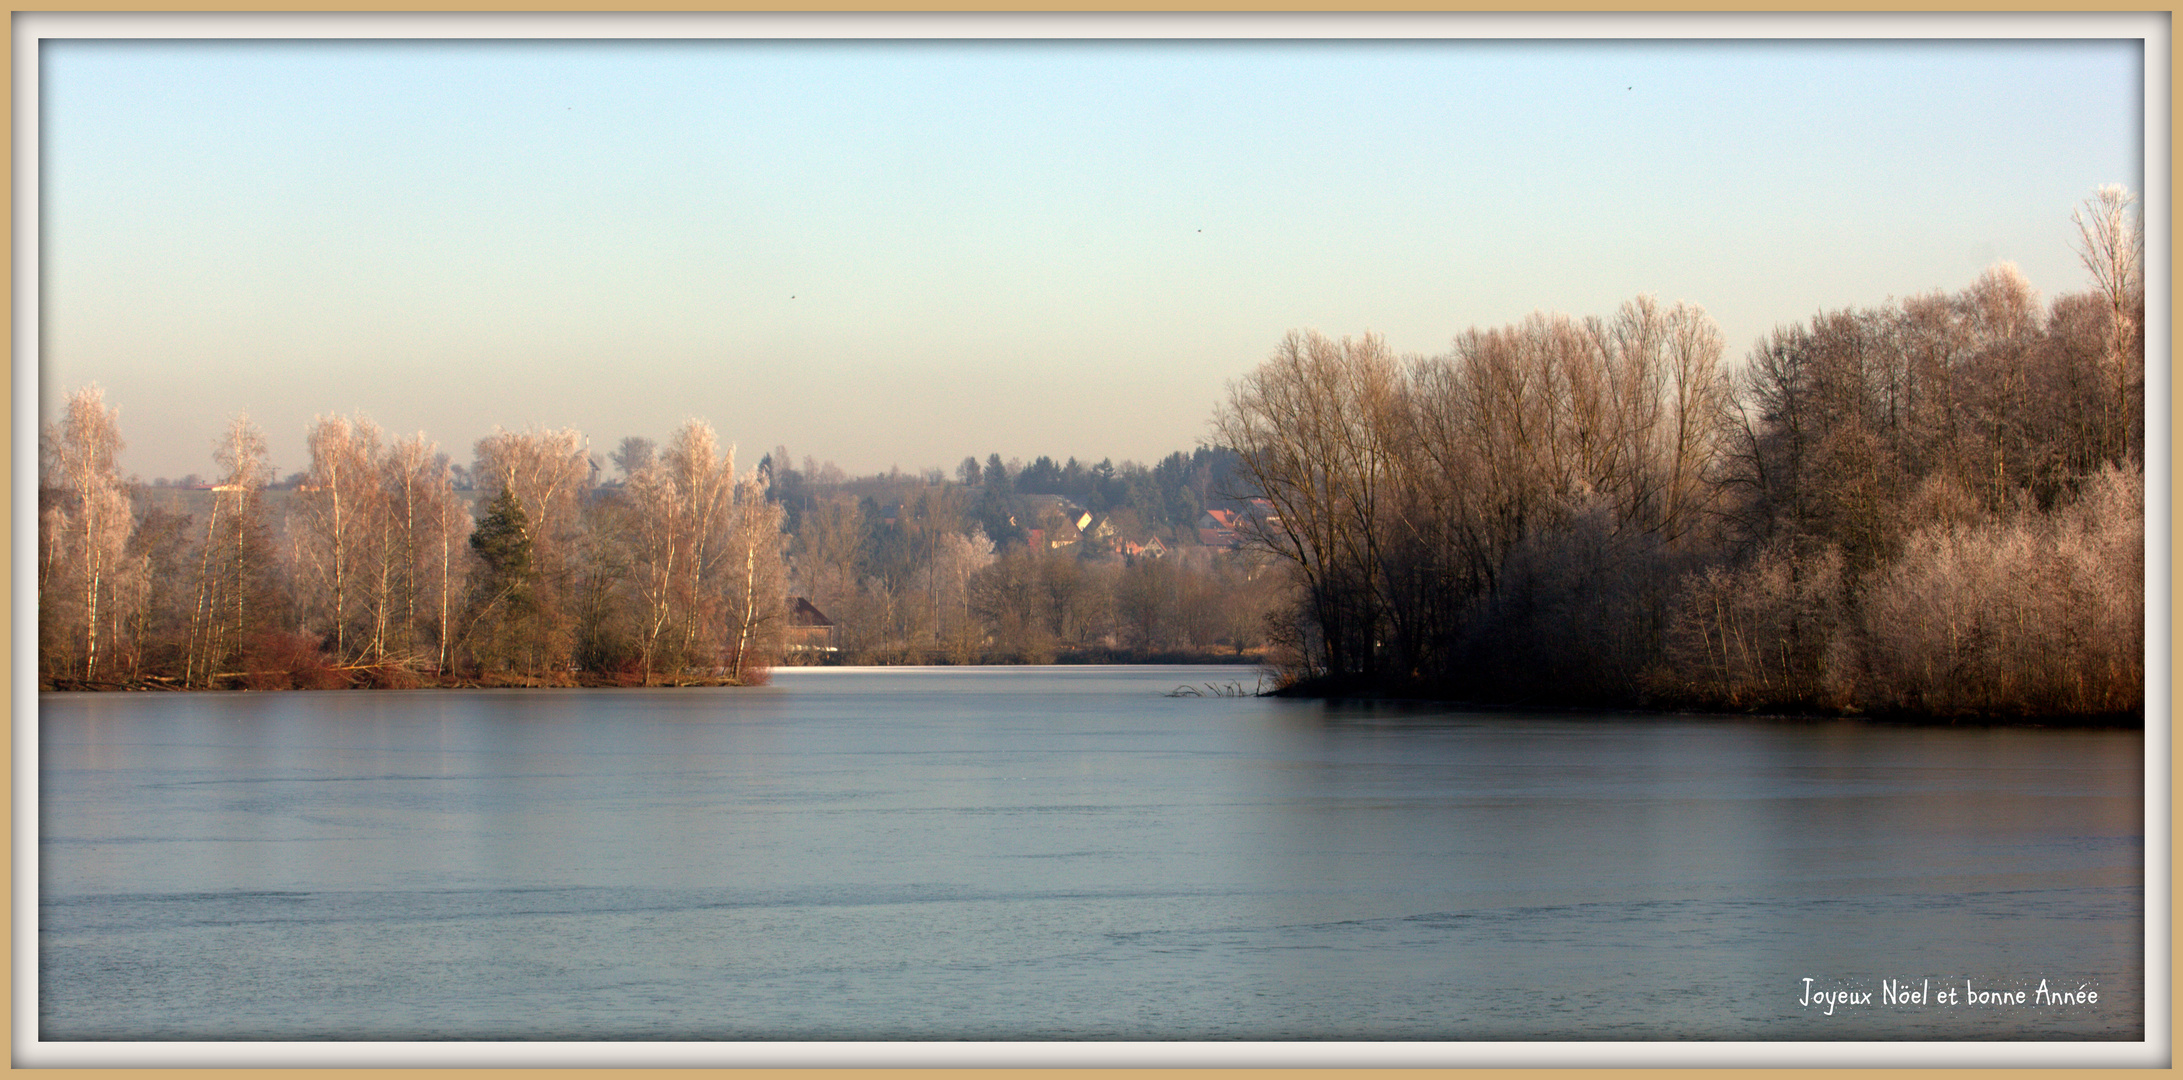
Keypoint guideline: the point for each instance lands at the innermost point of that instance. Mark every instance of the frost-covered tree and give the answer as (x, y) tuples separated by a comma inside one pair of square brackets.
[(85, 524)]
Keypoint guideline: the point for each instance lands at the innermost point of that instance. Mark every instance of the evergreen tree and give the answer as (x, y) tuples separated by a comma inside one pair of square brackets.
[(503, 602), (502, 541)]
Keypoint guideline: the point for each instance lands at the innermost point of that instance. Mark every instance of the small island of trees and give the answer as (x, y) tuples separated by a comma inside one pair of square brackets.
[(1934, 507)]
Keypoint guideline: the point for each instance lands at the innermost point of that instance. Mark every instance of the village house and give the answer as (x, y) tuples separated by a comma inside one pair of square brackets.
[(1148, 548), (1217, 529), (809, 630), (1051, 521), (1223, 528)]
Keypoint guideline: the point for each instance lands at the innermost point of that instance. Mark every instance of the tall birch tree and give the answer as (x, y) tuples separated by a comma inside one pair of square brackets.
[(87, 532), (235, 596)]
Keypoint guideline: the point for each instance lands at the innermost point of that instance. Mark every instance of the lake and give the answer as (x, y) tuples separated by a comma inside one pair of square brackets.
[(1068, 854)]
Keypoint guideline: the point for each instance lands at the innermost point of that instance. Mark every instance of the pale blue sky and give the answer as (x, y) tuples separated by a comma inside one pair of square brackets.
[(900, 253)]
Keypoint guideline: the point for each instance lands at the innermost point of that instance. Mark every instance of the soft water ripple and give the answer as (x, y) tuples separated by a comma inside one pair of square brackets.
[(1059, 854)]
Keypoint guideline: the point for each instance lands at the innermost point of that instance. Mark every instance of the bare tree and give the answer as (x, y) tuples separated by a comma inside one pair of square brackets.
[(1009, 595), (757, 583), (655, 536), (88, 529), (342, 515), (415, 562), (2111, 236), (956, 560), (1310, 428), (704, 493), (451, 524), (233, 595), (1693, 437)]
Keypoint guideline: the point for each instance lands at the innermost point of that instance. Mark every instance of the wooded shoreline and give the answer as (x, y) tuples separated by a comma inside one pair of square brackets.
[(1452, 697), (1930, 508)]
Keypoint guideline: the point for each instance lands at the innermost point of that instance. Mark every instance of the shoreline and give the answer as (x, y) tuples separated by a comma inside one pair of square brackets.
[(368, 679), (1425, 696), (1420, 697)]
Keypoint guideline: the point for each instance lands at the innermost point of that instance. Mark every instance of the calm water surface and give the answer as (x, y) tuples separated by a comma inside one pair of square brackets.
[(1063, 853)]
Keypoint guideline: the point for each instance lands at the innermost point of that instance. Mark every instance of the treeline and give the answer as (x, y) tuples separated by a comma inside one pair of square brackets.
[(384, 563), (377, 572), (1931, 507)]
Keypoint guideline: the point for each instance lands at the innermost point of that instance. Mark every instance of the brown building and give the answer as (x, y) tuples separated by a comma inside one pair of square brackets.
[(808, 627)]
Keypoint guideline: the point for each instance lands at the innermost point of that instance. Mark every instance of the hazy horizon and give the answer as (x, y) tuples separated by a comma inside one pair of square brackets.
[(898, 253)]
